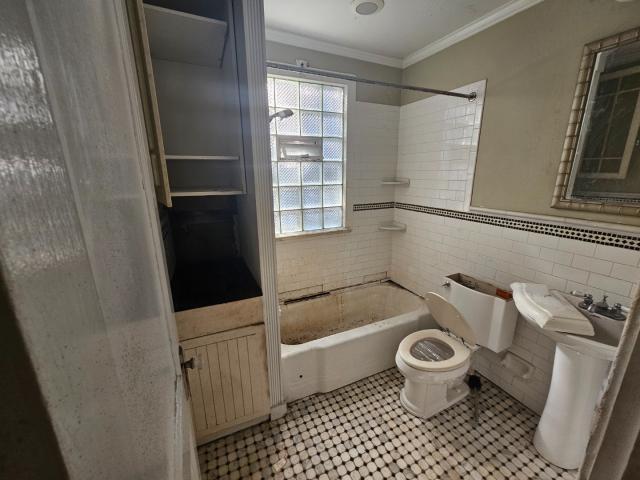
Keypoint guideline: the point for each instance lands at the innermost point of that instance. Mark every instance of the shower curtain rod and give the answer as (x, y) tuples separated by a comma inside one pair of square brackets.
[(294, 68)]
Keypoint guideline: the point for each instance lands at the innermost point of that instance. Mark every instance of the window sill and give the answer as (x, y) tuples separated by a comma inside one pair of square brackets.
[(318, 233)]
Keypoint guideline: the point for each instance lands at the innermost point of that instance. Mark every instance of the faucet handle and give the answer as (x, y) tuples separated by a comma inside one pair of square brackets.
[(618, 312), (587, 301), (581, 294)]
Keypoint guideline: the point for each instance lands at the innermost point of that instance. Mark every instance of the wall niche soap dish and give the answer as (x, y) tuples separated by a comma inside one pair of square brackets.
[(400, 182), (392, 227), (518, 366)]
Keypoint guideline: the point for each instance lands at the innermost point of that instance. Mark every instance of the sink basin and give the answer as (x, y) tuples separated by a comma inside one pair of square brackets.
[(580, 368), (603, 344)]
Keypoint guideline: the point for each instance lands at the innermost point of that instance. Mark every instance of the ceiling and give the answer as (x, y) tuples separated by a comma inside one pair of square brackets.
[(397, 35)]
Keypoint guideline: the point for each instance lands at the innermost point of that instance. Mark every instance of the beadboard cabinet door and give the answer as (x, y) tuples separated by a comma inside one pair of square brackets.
[(229, 381)]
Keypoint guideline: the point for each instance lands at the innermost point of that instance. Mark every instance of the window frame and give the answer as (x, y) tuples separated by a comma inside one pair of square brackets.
[(347, 144)]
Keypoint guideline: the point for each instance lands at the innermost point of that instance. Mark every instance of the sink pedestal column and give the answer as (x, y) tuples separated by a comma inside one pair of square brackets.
[(576, 384)]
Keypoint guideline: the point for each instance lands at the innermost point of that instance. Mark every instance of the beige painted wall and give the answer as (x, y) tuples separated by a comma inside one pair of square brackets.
[(278, 52), (531, 63)]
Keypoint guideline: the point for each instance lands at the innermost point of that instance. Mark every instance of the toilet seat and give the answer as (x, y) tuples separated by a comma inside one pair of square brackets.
[(460, 352)]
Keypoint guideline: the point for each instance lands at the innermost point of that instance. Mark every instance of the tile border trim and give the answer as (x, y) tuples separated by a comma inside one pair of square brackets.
[(601, 237), (372, 206)]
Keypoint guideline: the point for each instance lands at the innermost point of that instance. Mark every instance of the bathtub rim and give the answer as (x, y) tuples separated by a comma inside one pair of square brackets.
[(351, 334), (340, 291)]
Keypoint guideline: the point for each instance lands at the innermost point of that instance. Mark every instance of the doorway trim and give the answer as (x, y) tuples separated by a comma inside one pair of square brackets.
[(254, 39), (617, 426)]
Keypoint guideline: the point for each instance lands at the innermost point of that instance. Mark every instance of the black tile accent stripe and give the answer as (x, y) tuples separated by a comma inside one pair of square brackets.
[(630, 242), (372, 206)]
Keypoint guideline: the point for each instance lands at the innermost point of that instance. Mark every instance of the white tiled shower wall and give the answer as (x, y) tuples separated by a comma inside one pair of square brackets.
[(439, 158), (312, 264), (438, 143)]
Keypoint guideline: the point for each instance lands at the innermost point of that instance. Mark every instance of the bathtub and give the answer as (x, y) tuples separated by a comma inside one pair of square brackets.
[(341, 337)]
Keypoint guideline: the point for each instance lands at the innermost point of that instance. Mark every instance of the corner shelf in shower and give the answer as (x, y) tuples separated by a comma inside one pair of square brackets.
[(392, 227), (399, 182)]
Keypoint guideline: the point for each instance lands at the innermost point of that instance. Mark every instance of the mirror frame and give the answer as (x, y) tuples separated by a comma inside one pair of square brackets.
[(561, 199)]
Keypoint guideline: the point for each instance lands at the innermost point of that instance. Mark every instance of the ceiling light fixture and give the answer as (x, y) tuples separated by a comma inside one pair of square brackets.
[(367, 7)]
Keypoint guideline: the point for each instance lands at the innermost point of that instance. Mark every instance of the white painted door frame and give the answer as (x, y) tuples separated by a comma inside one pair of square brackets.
[(615, 437), (254, 38)]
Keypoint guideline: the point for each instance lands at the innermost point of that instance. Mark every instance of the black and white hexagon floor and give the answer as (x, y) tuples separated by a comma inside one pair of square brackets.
[(362, 432)]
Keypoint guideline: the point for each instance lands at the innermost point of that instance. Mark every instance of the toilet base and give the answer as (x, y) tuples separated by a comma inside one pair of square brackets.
[(434, 404), (427, 393)]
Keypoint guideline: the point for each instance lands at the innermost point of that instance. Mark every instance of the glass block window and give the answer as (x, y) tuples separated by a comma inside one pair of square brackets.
[(308, 187)]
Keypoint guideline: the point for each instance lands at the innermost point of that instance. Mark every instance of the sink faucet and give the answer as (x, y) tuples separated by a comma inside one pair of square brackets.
[(601, 307)]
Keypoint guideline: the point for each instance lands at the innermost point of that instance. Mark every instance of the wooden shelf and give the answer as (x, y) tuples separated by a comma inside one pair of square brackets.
[(185, 38), (204, 192), (404, 182), (392, 227), (227, 158)]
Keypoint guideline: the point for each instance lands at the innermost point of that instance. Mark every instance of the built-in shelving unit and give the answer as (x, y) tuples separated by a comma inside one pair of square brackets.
[(182, 37), (392, 227), (194, 66), (203, 157), (190, 67), (402, 182), (204, 192)]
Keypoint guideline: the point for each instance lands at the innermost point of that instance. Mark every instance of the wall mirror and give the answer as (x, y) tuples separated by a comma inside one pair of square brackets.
[(600, 166)]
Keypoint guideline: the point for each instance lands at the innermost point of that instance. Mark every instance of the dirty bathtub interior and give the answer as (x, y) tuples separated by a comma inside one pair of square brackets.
[(338, 338)]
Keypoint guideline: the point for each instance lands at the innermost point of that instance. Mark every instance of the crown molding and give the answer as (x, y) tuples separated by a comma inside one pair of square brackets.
[(490, 19), (477, 26), (332, 48)]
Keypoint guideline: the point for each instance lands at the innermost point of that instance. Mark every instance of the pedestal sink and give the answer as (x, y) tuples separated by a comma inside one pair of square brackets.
[(580, 369)]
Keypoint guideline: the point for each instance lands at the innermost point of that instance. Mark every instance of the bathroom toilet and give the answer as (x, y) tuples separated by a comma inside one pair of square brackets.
[(435, 362)]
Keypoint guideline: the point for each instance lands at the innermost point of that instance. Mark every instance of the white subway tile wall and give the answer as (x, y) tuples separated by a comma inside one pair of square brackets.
[(437, 146), (308, 265), (435, 246), (438, 142)]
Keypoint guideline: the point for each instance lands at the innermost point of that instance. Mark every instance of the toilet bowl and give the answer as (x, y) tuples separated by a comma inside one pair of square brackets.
[(435, 362)]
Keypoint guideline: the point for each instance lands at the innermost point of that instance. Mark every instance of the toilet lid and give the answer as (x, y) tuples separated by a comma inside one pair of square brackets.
[(449, 318), (432, 351)]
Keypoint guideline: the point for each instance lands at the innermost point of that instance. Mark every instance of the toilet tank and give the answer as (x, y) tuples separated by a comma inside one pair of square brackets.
[(492, 318)]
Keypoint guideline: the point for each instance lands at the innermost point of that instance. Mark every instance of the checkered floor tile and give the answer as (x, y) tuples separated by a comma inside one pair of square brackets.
[(361, 431)]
